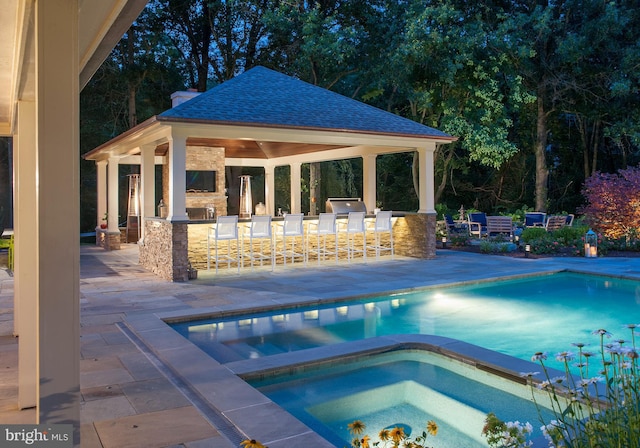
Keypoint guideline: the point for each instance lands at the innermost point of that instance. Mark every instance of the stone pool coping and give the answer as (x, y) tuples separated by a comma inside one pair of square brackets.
[(239, 411)]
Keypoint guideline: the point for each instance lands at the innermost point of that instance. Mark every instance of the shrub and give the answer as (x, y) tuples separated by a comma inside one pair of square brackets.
[(533, 233), (613, 202), (496, 246), (570, 234), (459, 240)]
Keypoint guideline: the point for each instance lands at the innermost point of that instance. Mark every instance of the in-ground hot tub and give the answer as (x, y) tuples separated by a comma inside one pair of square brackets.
[(403, 388)]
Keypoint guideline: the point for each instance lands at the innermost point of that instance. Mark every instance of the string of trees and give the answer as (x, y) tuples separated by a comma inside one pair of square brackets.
[(541, 93)]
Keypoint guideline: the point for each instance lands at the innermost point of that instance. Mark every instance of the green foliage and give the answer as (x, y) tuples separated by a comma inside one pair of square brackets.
[(472, 69), (441, 210), (496, 246), (533, 233), (568, 240), (458, 240), (505, 435), (570, 234)]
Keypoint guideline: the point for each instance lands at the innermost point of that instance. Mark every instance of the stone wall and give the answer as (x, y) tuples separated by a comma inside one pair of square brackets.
[(169, 248), (164, 249), (415, 235), (107, 240)]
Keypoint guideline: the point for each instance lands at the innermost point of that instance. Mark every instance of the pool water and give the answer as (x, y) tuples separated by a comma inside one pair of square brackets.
[(405, 388), (517, 317)]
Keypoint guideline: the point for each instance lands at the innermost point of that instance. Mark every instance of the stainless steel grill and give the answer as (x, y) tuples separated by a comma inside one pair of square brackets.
[(342, 206)]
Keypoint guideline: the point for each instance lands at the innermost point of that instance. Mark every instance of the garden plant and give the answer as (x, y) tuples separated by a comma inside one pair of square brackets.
[(390, 437), (598, 407)]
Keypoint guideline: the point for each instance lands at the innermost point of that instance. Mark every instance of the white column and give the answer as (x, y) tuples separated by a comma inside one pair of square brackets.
[(113, 199), (147, 185), (58, 218), (25, 296), (101, 190), (426, 172), (369, 186), (269, 189), (177, 158), (296, 196)]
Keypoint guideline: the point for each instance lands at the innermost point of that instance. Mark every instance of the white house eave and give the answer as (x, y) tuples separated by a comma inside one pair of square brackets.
[(155, 132), (127, 144)]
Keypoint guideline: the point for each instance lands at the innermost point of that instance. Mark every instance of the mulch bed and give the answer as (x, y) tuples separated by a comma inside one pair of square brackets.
[(520, 253)]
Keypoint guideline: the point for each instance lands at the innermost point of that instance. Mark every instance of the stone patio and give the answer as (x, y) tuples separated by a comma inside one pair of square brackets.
[(131, 400)]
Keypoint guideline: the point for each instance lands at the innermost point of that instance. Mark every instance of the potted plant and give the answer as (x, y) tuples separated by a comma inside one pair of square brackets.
[(103, 225)]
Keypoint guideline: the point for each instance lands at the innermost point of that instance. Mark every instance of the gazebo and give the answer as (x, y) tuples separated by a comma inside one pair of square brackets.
[(265, 119)]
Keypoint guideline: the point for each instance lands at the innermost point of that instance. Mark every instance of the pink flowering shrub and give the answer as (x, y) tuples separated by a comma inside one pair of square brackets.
[(613, 202)]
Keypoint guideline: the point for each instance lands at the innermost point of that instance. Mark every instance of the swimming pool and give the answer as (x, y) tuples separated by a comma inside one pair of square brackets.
[(517, 317), (401, 388)]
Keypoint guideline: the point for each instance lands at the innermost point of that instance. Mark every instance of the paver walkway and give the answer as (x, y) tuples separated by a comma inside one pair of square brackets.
[(128, 401)]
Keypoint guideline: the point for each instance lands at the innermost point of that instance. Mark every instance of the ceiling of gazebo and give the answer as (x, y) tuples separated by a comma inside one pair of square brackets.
[(251, 149)]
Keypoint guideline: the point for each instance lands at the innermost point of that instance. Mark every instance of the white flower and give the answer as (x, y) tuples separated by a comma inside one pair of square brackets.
[(565, 356), (602, 332), (614, 349), (540, 356)]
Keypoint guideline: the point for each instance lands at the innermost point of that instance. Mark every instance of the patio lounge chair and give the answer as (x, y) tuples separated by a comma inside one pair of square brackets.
[(455, 228), (556, 222), (500, 225), (569, 218), (477, 224), (535, 219)]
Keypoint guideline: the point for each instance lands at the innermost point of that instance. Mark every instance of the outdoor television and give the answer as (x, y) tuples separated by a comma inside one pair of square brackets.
[(201, 181)]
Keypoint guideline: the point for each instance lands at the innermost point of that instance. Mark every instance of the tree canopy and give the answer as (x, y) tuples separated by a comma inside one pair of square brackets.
[(541, 93)]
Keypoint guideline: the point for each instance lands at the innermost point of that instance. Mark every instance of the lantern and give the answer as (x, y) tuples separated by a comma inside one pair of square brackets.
[(590, 244)]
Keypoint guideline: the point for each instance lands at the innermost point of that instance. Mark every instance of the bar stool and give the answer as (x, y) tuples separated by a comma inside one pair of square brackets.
[(382, 225), (324, 227), (225, 229), (292, 228), (260, 229), (354, 227)]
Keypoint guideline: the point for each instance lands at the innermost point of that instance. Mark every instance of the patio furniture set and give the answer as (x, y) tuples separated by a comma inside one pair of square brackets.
[(479, 225), (260, 239)]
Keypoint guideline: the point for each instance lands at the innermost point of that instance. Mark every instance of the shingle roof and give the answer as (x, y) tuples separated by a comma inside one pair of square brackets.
[(261, 96)]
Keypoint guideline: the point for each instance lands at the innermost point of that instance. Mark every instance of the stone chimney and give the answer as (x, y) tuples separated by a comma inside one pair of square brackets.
[(180, 97)]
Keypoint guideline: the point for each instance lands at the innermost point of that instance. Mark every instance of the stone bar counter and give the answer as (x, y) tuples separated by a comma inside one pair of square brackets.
[(170, 249)]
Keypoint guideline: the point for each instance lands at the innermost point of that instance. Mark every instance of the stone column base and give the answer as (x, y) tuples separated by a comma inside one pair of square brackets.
[(107, 240), (164, 249), (414, 235)]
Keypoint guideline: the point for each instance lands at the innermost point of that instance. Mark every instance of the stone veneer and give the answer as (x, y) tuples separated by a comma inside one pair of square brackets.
[(169, 248), (164, 249), (414, 235), (202, 158), (108, 240)]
